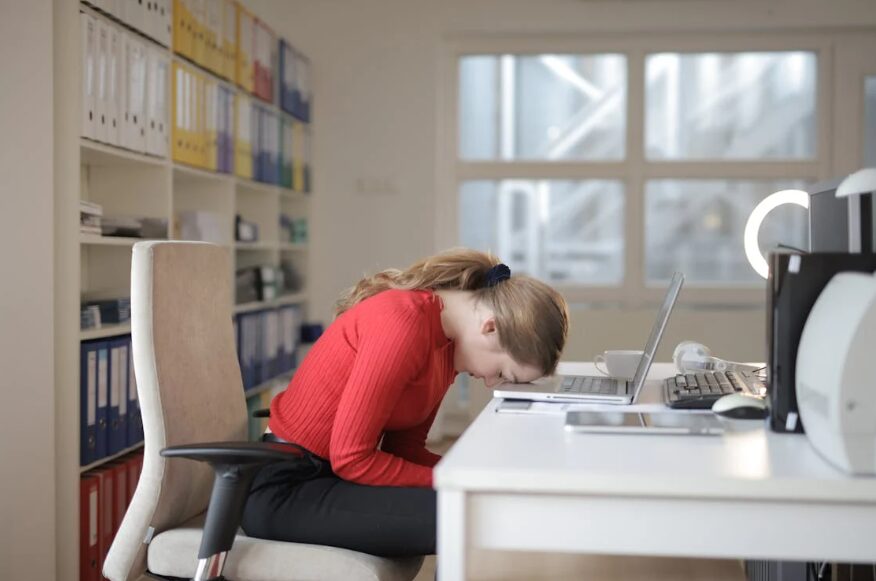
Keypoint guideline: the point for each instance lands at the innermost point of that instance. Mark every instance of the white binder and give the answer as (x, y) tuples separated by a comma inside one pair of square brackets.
[(88, 43), (115, 77), (136, 94), (156, 114), (102, 73), (164, 14)]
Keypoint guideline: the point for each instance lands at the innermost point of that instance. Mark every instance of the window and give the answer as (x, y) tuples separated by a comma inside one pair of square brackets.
[(558, 174), (560, 231), (545, 107)]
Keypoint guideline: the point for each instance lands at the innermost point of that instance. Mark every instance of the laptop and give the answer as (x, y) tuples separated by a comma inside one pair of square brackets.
[(599, 389)]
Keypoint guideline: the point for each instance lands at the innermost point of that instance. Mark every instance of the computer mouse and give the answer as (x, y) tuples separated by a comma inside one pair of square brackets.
[(740, 406)]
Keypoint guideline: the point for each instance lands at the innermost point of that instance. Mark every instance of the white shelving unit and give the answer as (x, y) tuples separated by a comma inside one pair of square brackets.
[(129, 183)]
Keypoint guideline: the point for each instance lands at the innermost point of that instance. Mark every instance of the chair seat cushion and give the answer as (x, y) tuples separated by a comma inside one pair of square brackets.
[(174, 553)]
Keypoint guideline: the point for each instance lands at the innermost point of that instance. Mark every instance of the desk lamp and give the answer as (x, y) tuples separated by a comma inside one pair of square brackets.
[(752, 226)]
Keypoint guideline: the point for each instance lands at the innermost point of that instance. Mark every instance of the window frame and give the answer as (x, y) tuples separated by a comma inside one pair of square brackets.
[(634, 171)]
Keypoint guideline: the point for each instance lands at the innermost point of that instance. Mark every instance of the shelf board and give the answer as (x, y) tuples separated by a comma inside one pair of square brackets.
[(293, 246), (103, 461), (95, 240), (280, 380), (293, 196), (187, 172), (290, 299), (105, 331), (102, 154), (255, 245), (259, 187)]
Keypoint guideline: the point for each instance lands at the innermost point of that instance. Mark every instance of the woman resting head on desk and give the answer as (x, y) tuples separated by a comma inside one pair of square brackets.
[(362, 402)]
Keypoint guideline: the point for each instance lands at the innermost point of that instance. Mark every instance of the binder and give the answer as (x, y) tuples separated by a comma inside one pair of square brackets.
[(106, 491), (181, 29), (102, 437), (304, 88), (308, 160), (120, 493), (134, 101), (200, 127), (213, 35), (89, 510), (118, 405), (198, 21), (114, 81), (102, 70), (133, 477), (298, 156), (244, 74), (285, 154), (135, 420), (210, 111), (156, 104), (243, 150), (87, 43), (177, 99), (229, 40), (164, 30), (88, 404)]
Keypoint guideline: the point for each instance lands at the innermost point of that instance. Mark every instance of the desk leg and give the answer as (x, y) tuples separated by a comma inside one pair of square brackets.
[(452, 528)]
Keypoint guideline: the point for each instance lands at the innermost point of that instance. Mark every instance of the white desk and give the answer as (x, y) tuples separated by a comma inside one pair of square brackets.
[(521, 482)]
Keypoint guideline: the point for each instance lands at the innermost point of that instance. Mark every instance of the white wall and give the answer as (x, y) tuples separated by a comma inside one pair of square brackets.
[(27, 486), (376, 81)]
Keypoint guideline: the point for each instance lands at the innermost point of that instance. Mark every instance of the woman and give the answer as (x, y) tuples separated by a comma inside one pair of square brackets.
[(364, 398)]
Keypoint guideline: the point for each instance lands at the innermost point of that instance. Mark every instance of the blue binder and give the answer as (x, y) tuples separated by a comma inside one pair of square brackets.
[(135, 421), (102, 438), (118, 404), (88, 403)]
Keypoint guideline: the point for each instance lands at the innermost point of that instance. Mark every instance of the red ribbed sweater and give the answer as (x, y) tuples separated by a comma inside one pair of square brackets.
[(379, 371)]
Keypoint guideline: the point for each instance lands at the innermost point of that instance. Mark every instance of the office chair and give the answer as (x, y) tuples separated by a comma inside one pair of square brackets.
[(193, 408)]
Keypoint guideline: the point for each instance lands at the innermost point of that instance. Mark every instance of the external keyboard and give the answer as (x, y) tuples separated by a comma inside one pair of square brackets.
[(585, 384), (701, 390)]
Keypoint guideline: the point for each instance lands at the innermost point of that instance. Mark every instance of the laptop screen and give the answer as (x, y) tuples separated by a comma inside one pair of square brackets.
[(657, 333)]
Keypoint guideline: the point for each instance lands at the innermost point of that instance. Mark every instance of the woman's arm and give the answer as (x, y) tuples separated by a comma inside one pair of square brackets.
[(390, 350), (410, 444)]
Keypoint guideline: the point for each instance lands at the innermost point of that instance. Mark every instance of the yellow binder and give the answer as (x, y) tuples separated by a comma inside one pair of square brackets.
[(242, 136), (181, 29), (178, 138), (211, 118), (244, 74), (298, 156), (229, 39)]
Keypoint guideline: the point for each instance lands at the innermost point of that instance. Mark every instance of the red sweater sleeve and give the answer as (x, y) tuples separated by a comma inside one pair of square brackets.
[(410, 444), (391, 348)]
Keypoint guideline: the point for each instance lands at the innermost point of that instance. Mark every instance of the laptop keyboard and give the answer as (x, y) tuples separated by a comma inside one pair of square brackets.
[(593, 385), (701, 390)]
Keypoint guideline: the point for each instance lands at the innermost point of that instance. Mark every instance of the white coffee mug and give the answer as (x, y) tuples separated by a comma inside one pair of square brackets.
[(621, 363)]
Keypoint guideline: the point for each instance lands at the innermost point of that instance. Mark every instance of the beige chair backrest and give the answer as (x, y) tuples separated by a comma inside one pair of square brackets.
[(188, 384)]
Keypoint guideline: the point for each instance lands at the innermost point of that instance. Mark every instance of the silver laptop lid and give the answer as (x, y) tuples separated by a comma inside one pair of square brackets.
[(657, 333)]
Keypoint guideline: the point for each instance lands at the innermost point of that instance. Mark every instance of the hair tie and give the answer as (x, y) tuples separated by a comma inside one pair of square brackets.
[(497, 274)]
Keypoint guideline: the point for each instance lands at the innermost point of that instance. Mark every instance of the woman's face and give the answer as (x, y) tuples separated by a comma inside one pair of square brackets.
[(480, 355)]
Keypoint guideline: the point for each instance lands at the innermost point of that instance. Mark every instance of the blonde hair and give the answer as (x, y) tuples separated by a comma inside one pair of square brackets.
[(532, 319)]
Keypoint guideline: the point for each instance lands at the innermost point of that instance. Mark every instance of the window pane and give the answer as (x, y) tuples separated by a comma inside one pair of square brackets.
[(870, 122), (696, 226), (558, 231), (730, 106), (542, 107)]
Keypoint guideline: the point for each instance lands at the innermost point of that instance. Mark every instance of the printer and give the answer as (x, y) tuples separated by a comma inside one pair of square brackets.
[(835, 376)]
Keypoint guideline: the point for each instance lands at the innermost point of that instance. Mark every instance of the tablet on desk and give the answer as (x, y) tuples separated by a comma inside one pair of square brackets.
[(632, 422)]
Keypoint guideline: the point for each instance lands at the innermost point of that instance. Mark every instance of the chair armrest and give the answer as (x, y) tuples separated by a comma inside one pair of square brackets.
[(235, 452), (235, 465)]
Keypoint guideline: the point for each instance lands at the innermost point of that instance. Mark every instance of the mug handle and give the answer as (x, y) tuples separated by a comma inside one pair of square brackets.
[(600, 359)]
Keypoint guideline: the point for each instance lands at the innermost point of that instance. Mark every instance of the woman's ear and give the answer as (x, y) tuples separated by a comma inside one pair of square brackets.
[(488, 326)]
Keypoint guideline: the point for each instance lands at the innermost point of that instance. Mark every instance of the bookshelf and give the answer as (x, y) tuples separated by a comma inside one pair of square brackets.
[(132, 183)]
